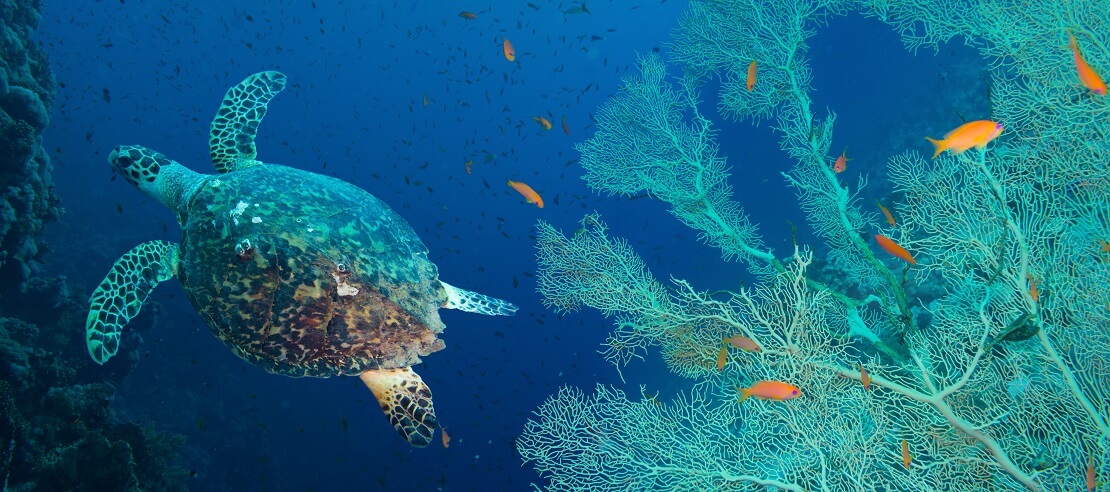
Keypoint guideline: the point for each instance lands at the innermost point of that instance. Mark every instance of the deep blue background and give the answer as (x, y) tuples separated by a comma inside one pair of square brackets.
[(358, 71)]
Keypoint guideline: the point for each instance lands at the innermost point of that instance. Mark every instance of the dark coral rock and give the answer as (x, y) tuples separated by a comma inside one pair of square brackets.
[(58, 430), (15, 349), (22, 104), (151, 450), (125, 458), (27, 199)]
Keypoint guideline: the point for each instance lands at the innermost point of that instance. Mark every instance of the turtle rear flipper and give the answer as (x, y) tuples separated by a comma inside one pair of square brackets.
[(406, 401), (231, 139), (121, 294), (473, 302)]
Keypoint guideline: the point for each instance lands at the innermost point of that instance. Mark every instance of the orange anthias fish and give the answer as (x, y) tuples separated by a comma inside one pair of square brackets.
[(1087, 75), (527, 192), (743, 343), (770, 390), (566, 129), (722, 358), (841, 162), (468, 15), (468, 165), (906, 454), (893, 248), (1090, 473), (973, 134), (864, 378), (542, 121), (1033, 292), (751, 75), (426, 100), (886, 213), (510, 53), (446, 438)]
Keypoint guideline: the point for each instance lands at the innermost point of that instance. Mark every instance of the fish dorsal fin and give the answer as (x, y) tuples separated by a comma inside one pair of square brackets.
[(231, 139)]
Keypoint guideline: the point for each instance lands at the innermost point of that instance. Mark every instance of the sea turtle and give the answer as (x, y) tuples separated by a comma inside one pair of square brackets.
[(297, 273)]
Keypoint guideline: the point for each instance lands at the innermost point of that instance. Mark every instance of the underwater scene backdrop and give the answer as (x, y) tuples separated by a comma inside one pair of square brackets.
[(738, 262)]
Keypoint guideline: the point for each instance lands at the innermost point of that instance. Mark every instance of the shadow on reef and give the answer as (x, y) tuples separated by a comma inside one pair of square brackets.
[(57, 428)]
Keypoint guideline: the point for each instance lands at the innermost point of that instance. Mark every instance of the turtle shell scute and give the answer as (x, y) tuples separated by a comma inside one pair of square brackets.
[(306, 275)]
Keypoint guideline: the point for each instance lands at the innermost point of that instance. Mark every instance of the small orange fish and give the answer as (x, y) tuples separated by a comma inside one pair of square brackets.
[(864, 378), (566, 129), (527, 192), (893, 248), (468, 165), (1103, 246), (906, 454), (543, 122), (770, 390), (1033, 292), (886, 213), (973, 134), (1091, 473), (468, 15), (841, 162), (743, 343), (1087, 75), (510, 53), (751, 75), (446, 438), (426, 100), (722, 359)]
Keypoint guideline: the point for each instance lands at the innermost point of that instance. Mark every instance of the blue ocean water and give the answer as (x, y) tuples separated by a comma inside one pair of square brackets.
[(153, 73)]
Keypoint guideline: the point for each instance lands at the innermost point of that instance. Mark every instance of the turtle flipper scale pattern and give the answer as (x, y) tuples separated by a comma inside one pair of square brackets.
[(406, 401), (120, 296), (231, 140), (473, 302)]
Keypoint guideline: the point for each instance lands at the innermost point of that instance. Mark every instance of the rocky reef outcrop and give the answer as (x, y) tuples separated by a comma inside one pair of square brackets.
[(57, 427), (27, 199), (58, 430)]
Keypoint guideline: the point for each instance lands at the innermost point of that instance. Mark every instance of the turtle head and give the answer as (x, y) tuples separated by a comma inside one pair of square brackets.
[(160, 177)]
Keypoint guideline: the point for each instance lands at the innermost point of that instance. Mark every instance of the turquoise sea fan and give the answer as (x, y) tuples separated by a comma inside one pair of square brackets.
[(999, 377)]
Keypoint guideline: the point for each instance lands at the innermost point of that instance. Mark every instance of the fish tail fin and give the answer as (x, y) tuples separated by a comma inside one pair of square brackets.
[(940, 146), (745, 393), (584, 9), (1071, 42)]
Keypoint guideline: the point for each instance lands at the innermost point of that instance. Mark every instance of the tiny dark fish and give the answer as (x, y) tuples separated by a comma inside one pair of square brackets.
[(107, 95)]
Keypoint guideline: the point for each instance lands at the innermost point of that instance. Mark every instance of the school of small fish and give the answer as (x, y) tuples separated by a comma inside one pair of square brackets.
[(976, 134)]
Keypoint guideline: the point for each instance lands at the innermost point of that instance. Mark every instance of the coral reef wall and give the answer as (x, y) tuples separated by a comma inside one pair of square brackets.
[(58, 430), (27, 199)]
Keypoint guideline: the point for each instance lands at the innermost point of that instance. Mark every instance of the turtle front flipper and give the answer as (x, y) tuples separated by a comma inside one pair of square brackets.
[(121, 294), (406, 401), (231, 139), (473, 302)]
